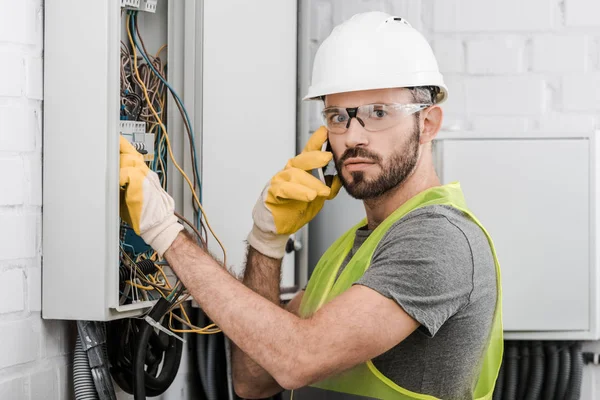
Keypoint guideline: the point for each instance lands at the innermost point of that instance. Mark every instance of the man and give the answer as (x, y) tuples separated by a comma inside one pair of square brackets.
[(406, 305)]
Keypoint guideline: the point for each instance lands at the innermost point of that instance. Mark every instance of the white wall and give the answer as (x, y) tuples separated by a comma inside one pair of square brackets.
[(33, 352), (510, 65)]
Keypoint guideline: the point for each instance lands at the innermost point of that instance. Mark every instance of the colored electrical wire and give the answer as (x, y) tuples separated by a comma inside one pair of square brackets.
[(180, 106), (129, 33), (143, 77), (173, 92)]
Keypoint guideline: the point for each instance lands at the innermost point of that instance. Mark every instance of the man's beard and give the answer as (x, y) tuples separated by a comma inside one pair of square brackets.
[(394, 173)]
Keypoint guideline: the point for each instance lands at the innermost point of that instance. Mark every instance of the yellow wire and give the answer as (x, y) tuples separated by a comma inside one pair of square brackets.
[(162, 272), (164, 46), (202, 331), (139, 286), (144, 89), (182, 308)]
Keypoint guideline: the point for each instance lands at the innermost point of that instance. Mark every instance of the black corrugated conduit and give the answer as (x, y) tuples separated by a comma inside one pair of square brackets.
[(536, 375), (91, 340), (551, 371), (564, 371), (574, 390), (542, 370), (523, 370), (146, 266), (511, 375)]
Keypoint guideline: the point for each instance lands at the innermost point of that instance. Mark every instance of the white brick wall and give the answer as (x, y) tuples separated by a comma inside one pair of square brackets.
[(582, 13), (493, 16), (511, 66), (34, 360), (501, 55), (553, 53), (535, 65)]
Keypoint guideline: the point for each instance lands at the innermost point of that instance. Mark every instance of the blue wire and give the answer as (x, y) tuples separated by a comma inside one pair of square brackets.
[(135, 41), (129, 247)]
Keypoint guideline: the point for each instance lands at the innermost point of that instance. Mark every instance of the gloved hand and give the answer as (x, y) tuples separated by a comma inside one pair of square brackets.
[(145, 206), (292, 198)]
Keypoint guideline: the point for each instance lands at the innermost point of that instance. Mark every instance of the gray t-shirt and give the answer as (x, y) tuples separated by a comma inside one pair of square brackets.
[(438, 266)]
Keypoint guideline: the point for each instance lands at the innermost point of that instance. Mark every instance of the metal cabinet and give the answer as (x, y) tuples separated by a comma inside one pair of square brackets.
[(232, 62), (536, 195)]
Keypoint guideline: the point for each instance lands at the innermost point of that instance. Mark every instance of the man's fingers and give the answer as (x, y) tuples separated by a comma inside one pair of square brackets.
[(123, 176), (283, 191), (316, 140), (310, 160), (125, 147), (303, 178)]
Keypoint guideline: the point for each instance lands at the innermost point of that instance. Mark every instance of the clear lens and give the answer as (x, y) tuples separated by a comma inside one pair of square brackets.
[(335, 119), (374, 117)]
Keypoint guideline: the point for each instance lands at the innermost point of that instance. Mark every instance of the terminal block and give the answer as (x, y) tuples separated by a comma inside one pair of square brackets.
[(135, 133), (140, 5)]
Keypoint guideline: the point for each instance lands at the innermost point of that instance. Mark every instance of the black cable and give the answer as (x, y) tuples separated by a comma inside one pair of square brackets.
[(124, 338), (551, 371), (512, 371), (536, 376), (93, 340), (175, 99), (523, 370), (574, 389), (564, 372), (172, 357)]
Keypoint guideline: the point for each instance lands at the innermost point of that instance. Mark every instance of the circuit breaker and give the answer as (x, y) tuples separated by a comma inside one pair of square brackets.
[(218, 57)]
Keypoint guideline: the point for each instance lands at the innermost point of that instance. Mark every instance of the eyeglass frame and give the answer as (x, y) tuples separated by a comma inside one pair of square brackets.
[(353, 113)]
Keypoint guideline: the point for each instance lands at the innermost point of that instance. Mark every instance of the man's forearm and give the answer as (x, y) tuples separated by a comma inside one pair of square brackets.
[(262, 275), (263, 330)]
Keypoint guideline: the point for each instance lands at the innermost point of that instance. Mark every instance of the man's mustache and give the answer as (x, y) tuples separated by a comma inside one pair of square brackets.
[(358, 152)]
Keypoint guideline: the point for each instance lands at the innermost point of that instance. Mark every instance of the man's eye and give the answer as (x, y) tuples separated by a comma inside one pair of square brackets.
[(338, 118), (379, 113)]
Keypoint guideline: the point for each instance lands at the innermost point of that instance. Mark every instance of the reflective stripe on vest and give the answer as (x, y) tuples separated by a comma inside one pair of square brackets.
[(364, 379)]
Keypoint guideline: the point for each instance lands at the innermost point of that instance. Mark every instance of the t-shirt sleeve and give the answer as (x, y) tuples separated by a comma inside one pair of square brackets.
[(423, 263)]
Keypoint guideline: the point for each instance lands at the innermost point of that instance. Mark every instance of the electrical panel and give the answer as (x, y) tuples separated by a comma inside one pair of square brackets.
[(101, 73), (536, 194)]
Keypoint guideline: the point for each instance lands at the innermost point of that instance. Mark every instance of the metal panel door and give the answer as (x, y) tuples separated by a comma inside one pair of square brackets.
[(533, 197)]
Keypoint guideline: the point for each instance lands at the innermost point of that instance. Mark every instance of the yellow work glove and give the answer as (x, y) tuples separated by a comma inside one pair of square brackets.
[(145, 206), (292, 198)]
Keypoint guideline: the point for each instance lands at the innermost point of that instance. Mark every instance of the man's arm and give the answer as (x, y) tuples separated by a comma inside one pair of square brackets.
[(262, 275), (356, 326)]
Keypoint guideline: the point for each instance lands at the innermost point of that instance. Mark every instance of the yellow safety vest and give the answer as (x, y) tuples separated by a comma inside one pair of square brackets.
[(365, 379)]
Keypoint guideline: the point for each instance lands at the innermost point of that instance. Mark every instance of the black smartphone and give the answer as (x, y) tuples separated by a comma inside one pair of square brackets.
[(327, 172)]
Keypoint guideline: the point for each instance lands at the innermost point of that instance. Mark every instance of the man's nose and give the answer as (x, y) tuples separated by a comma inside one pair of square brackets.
[(356, 134)]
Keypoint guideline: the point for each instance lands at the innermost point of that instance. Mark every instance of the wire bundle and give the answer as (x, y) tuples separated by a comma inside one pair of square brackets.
[(144, 92), (145, 352), (146, 77), (134, 106)]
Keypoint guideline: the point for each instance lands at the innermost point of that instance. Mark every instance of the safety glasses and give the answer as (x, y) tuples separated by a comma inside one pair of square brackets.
[(372, 117)]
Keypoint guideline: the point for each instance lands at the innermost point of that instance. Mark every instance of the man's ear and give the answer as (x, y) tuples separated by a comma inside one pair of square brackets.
[(431, 123)]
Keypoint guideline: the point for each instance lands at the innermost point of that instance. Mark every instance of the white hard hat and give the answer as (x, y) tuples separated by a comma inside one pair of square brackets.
[(374, 50)]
